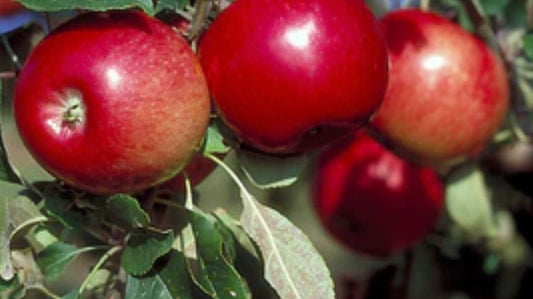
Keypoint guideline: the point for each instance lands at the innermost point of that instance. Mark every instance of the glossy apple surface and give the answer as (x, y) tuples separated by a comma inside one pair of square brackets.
[(112, 102), (447, 94), (373, 201), (9, 7), (290, 75)]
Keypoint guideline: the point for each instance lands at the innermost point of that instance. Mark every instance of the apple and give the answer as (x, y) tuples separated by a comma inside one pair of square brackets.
[(373, 201), (288, 76), (447, 94), (9, 7), (112, 102)]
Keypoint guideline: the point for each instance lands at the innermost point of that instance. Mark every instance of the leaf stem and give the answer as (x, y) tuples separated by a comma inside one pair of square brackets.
[(46, 291), (228, 170), (98, 265), (169, 203), (246, 196)]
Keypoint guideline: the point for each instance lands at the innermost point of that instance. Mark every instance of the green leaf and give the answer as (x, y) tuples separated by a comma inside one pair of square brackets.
[(39, 238), (60, 206), (71, 295), (143, 249), (171, 4), (96, 5), (293, 266), (16, 212), (528, 45), (267, 172), (125, 211), (248, 261), (516, 14), (171, 280), (214, 141), (468, 202), (55, 258), (463, 17), (217, 274), (6, 171), (494, 7)]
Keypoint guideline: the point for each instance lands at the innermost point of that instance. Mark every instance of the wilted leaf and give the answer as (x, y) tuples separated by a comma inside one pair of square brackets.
[(217, 275), (468, 202), (271, 172), (143, 249), (16, 212), (125, 211), (28, 272), (55, 258), (292, 264), (98, 5), (170, 281)]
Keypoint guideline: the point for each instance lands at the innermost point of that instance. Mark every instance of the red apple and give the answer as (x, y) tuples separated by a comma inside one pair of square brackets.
[(447, 94), (9, 7), (373, 201), (112, 102), (290, 75)]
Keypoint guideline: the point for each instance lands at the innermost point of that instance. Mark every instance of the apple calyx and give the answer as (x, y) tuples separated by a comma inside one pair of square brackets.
[(73, 110)]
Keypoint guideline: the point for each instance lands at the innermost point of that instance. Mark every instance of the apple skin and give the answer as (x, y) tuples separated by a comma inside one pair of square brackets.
[(373, 201), (9, 7), (447, 94), (112, 102), (288, 76)]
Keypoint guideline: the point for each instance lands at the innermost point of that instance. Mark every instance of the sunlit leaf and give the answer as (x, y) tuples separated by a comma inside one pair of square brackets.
[(468, 202), (292, 264)]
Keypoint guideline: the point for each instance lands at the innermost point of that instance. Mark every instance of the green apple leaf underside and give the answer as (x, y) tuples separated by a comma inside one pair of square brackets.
[(95, 5), (468, 202)]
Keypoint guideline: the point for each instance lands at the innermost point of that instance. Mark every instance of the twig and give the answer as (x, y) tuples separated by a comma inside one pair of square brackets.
[(98, 265)]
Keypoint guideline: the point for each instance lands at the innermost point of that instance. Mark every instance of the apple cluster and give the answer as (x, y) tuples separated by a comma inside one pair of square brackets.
[(116, 101)]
